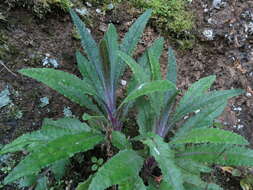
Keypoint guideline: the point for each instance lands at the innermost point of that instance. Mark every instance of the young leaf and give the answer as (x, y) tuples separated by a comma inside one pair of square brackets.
[(66, 84), (120, 141), (132, 37), (145, 117), (149, 87), (154, 66), (108, 49), (138, 71), (89, 73), (165, 159), (89, 46), (61, 148), (210, 135), (172, 67), (117, 170)]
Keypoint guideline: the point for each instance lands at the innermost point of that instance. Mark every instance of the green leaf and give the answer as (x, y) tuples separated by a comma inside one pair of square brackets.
[(198, 102), (154, 65), (67, 84), (89, 46), (120, 141), (61, 148), (172, 67), (149, 87), (145, 117), (133, 184), (218, 154), (138, 71), (89, 73), (132, 37), (72, 124), (197, 182), (166, 161), (42, 183), (134, 34), (157, 49), (59, 168), (117, 170), (108, 49), (27, 181), (197, 89), (203, 119), (34, 139), (210, 135), (192, 166), (84, 185)]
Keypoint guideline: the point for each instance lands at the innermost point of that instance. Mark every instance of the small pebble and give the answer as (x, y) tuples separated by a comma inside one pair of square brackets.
[(67, 112), (123, 82), (88, 4), (208, 34), (237, 109), (98, 11), (248, 94), (44, 101)]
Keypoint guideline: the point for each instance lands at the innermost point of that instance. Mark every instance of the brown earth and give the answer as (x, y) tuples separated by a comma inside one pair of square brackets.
[(229, 56)]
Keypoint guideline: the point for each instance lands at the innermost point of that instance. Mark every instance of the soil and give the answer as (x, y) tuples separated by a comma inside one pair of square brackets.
[(228, 55)]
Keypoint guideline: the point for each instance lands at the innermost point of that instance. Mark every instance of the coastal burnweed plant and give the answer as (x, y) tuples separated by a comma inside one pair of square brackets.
[(179, 160), (196, 144), (101, 72)]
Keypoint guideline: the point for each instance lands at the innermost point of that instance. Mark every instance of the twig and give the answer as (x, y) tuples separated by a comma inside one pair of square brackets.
[(1, 62)]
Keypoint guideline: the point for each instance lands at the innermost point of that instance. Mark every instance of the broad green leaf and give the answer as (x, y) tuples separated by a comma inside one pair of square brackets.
[(27, 181), (138, 71), (172, 67), (149, 87), (89, 73), (135, 183), (131, 39), (210, 135), (59, 168), (198, 102), (89, 45), (84, 185), (58, 149), (42, 183), (157, 49), (65, 83), (120, 141), (145, 117), (193, 167), (108, 49), (133, 35), (154, 65), (72, 124), (117, 170), (196, 181), (36, 138), (196, 89), (203, 119), (166, 161), (218, 154)]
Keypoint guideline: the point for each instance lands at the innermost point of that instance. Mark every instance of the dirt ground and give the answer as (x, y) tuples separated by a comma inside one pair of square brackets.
[(224, 38)]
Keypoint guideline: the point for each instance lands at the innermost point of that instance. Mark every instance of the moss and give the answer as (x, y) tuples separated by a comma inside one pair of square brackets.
[(170, 15), (40, 7)]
